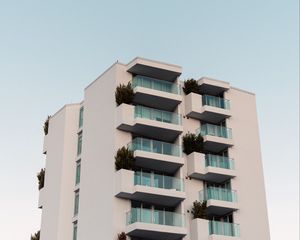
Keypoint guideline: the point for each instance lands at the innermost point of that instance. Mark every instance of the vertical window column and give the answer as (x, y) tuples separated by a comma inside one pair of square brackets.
[(79, 144), (78, 170), (76, 203), (75, 231)]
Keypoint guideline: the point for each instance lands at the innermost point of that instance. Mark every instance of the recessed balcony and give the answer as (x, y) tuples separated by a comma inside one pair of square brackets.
[(156, 93), (155, 224), (208, 167), (216, 138), (149, 187), (149, 122), (220, 201), (214, 230), (156, 155), (207, 108)]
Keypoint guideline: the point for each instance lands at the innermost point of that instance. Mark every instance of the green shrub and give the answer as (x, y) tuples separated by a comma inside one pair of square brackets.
[(124, 94), (46, 125), (191, 85), (41, 178), (122, 236), (199, 210), (124, 159), (192, 143), (35, 236)]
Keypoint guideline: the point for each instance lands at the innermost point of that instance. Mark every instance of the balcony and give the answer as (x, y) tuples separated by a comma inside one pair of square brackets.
[(207, 108), (155, 224), (212, 168), (156, 93), (216, 138), (41, 197), (156, 155), (214, 230), (220, 201), (149, 187), (149, 122)]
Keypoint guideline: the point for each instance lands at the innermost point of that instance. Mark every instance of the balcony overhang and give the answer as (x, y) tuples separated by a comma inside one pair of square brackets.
[(216, 144), (198, 170), (156, 99), (212, 87), (155, 69), (145, 127), (155, 231), (220, 208), (170, 164)]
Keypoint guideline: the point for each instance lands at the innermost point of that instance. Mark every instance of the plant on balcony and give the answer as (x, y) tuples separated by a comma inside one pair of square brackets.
[(192, 143), (199, 210), (124, 94), (124, 159), (122, 236), (41, 178), (35, 236), (46, 125), (191, 85)]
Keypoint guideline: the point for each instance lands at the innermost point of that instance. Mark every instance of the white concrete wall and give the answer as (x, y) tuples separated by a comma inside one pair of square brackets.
[(58, 195), (249, 181)]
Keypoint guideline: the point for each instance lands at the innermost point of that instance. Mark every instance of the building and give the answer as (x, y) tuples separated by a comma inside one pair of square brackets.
[(85, 198)]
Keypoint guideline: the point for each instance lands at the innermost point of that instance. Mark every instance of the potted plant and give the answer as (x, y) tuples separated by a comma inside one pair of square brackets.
[(46, 125), (199, 210), (124, 159), (192, 143), (35, 236), (191, 85), (41, 178), (122, 236), (124, 94)]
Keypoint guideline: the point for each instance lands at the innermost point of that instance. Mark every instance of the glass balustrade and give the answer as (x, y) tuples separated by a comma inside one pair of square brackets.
[(224, 228), (157, 115), (215, 102), (156, 84), (219, 161), (155, 217), (214, 130), (217, 193), (158, 181), (149, 145)]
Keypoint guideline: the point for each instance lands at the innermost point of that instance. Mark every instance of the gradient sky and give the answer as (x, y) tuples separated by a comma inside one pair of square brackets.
[(51, 50)]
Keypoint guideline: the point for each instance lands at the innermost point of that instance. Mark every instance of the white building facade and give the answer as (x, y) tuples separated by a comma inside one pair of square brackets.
[(85, 198)]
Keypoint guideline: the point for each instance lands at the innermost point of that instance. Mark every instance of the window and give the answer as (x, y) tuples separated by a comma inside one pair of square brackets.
[(75, 231), (76, 203), (78, 169), (79, 146), (81, 117)]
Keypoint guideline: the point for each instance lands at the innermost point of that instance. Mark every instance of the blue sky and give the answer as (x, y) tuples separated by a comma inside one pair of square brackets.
[(50, 50)]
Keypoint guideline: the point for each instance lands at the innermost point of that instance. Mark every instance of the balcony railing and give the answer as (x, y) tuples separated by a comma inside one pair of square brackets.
[(217, 193), (215, 102), (215, 130), (219, 161), (158, 181), (157, 115), (155, 217), (152, 83), (224, 228), (154, 146)]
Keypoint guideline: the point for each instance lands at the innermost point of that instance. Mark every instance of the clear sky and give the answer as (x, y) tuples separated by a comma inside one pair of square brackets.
[(51, 50)]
